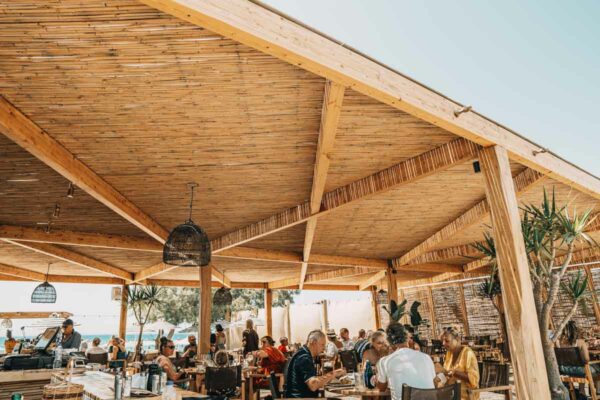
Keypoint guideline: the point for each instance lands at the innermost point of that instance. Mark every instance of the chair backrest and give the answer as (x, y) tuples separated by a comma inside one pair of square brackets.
[(493, 374), (274, 386), (349, 360), (437, 345), (569, 357), (221, 380), (101, 358), (451, 392)]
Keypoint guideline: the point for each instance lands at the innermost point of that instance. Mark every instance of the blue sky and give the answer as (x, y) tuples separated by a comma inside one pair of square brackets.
[(533, 66)]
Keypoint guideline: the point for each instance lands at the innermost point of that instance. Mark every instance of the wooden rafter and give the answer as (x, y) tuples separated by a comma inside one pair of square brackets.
[(338, 273), (371, 280), (100, 280), (411, 170), (430, 267), (441, 255), (74, 258), (28, 274), (24, 132), (474, 215), (34, 314), (263, 29)]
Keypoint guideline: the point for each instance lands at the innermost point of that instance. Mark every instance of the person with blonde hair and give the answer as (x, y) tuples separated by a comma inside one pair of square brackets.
[(249, 338), (460, 363)]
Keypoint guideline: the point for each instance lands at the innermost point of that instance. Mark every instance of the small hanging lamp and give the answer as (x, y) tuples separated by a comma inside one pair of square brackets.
[(44, 293), (223, 297), (382, 297), (187, 244)]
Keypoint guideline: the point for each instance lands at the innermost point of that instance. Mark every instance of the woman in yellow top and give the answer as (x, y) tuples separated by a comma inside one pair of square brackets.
[(460, 364)]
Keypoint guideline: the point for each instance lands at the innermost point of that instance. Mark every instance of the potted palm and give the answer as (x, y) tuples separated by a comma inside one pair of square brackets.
[(142, 300), (551, 235)]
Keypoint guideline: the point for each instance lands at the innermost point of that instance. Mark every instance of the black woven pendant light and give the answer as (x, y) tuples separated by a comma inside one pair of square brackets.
[(44, 293), (222, 297), (382, 297), (187, 244)]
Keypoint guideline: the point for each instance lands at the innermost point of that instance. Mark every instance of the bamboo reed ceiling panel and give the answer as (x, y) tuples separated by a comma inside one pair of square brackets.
[(482, 315), (584, 315), (132, 261), (28, 259), (596, 277), (534, 195), (288, 239), (421, 295), (29, 191), (150, 103), (371, 136), (448, 310), (388, 224)]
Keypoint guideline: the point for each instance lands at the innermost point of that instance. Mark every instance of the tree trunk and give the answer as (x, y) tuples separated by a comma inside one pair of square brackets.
[(138, 346), (503, 330), (558, 391)]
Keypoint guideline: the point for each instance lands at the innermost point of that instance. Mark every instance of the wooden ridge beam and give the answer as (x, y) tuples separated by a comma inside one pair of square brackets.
[(269, 32), (24, 132), (431, 267), (285, 283), (473, 216), (74, 258), (161, 268), (411, 170), (338, 273), (330, 116), (34, 314), (101, 280), (18, 272)]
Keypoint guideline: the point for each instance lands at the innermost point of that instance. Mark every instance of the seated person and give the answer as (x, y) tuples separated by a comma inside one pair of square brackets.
[(331, 350), (460, 363), (378, 348), (404, 365), (166, 350), (221, 358), (95, 347), (283, 345), (301, 377), (347, 343), (189, 352), (70, 338), (413, 340), (116, 349)]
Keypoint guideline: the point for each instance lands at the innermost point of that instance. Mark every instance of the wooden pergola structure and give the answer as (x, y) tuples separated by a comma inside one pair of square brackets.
[(319, 168)]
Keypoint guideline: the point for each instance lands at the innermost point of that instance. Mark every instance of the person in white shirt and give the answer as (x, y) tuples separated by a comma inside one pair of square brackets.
[(404, 365), (95, 348), (347, 343), (331, 350)]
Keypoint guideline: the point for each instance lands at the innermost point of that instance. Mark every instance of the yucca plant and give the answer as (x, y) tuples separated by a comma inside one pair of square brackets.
[(142, 300), (550, 231), (397, 311)]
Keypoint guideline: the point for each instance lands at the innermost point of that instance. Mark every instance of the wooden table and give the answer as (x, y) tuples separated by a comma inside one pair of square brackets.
[(98, 386), (365, 394), (198, 378)]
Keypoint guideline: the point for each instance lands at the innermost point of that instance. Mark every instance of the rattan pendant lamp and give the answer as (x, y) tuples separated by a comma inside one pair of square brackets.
[(187, 244), (44, 293)]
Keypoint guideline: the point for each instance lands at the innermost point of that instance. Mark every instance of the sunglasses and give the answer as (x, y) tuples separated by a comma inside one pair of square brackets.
[(171, 347)]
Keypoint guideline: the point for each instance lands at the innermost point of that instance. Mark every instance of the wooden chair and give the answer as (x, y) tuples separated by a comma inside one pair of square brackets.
[(575, 368), (451, 392), (275, 386), (493, 378), (221, 381), (349, 360)]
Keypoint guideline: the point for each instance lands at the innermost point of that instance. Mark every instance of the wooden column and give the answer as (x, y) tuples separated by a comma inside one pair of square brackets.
[(325, 321), (463, 307), (531, 380), (592, 288), (288, 321), (269, 311), (123, 315), (392, 284), (375, 307), (205, 304), (432, 308)]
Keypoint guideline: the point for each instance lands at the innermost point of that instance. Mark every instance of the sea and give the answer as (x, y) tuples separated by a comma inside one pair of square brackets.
[(180, 340)]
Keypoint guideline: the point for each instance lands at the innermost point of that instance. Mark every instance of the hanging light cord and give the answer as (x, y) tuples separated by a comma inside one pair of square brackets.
[(192, 186), (48, 272)]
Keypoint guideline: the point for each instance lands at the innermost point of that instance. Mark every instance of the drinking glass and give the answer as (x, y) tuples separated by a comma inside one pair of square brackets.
[(359, 381)]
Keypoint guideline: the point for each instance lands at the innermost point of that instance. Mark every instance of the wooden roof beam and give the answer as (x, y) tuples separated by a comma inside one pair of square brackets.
[(473, 216), (411, 170), (17, 272), (100, 280), (441, 255), (74, 258), (338, 273), (24, 132), (34, 314), (371, 280), (269, 32), (330, 116)]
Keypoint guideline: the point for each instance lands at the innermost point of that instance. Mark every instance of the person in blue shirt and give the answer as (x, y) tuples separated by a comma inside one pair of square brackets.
[(301, 377)]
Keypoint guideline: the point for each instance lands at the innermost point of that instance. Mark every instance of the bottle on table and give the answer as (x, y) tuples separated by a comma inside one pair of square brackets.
[(118, 386), (57, 357)]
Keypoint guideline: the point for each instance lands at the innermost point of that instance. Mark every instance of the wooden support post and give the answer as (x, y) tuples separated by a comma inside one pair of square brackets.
[(463, 306), (432, 308), (123, 316), (592, 289), (375, 307), (529, 368), (269, 311), (325, 316), (392, 284), (205, 314), (288, 322)]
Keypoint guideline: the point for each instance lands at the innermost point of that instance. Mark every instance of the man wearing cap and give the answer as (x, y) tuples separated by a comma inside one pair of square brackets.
[(70, 338)]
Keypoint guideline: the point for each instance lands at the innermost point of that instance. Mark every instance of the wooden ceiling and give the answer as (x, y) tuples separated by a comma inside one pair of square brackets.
[(150, 102)]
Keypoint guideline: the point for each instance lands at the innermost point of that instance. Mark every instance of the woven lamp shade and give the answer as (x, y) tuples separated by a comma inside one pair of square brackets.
[(223, 297), (382, 297), (187, 246), (44, 293)]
